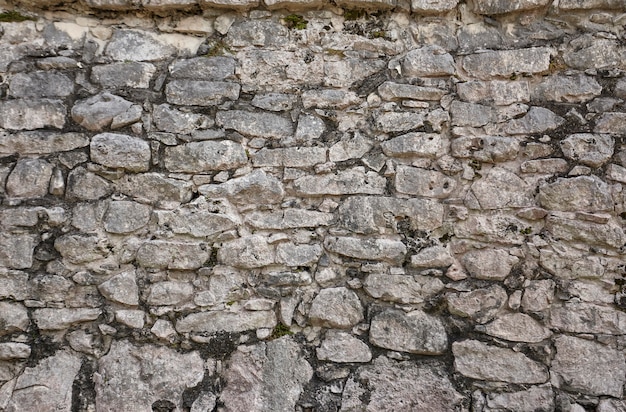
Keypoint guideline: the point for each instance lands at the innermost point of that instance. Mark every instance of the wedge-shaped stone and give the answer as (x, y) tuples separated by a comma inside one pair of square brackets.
[(583, 193), (481, 305), (247, 252), (517, 327), (423, 182), (370, 214), (160, 254), (395, 91), (193, 221), (266, 125), (290, 157), (336, 308), (432, 256), (154, 187), (25, 114), (40, 142), (368, 249), (85, 185), (545, 166), (588, 367), (571, 89), (40, 84), (347, 182), (341, 347), (97, 112), (499, 189), (60, 319), (329, 99), (125, 74), (121, 288), (16, 250), (120, 151), (425, 387), (413, 332), (135, 45), (214, 322), (415, 144), (488, 149), (196, 157), (125, 216), (478, 360), (254, 188), (508, 62), (428, 61), (507, 6), (582, 317), (567, 228), (13, 351), (200, 92), (402, 288)]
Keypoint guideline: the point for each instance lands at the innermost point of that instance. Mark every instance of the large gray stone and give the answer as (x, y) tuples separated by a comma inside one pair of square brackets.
[(590, 4), (124, 74), (61, 319), (293, 255), (506, 6), (537, 120), (272, 376), (267, 125), (500, 189), (288, 219), (388, 122), (517, 327), (97, 112), (200, 92), (247, 252), (196, 157), (339, 346), (121, 288), (488, 149), (215, 68), (570, 89), (85, 185), (169, 293), (588, 367), (507, 62), (351, 146), (120, 151), (329, 99), (154, 187), (566, 228), (31, 114), (14, 284), (41, 142), (347, 182), (336, 308), (471, 114), (395, 91), (290, 157), (368, 249), (16, 250), (387, 385), (135, 45), (589, 149), (428, 61), (222, 321), (533, 399), (498, 92), (30, 178), (583, 193), (413, 332), (583, 317), (170, 120), (47, 386), (478, 360), (125, 216), (404, 289), (423, 182), (161, 254), (80, 248), (40, 84), (415, 144), (254, 188), (136, 377), (594, 53), (489, 264), (193, 221), (432, 7), (613, 123), (481, 305), (13, 318)]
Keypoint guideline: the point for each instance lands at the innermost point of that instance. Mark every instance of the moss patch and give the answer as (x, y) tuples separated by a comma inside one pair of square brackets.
[(295, 21), (13, 17)]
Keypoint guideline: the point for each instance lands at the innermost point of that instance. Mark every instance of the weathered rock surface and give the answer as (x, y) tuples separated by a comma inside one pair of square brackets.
[(401, 288), (120, 151), (342, 347), (198, 157), (336, 308), (481, 305), (31, 114), (172, 255), (121, 288), (348, 182), (507, 62), (97, 112), (257, 187), (529, 400), (584, 193), (489, 264), (413, 332), (220, 321), (200, 92), (371, 249), (247, 252), (517, 327), (588, 149), (30, 178)]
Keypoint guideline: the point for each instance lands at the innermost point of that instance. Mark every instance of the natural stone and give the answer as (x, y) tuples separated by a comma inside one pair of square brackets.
[(61, 319), (153, 187), (85, 185), (489, 264), (499, 189), (488, 149), (200, 92), (120, 151), (290, 157), (402, 288), (589, 149), (134, 45), (537, 120), (266, 125), (193, 221), (220, 321), (293, 255), (481, 305), (172, 255), (471, 114), (570, 89), (339, 346), (369, 249), (395, 91), (413, 332), (588, 367), (214, 68), (40, 84), (169, 293), (254, 188), (414, 144), (591, 53), (349, 147), (31, 114), (198, 157), (30, 178), (329, 99), (533, 399), (389, 122), (14, 350), (124, 74), (97, 112), (612, 123), (423, 182), (498, 92), (490, 7), (566, 228), (583, 193), (517, 327), (246, 252), (41, 142), (350, 181), (478, 360), (125, 216), (121, 288), (81, 248), (171, 120), (13, 318), (428, 61), (508, 62), (582, 317), (336, 308), (15, 284)]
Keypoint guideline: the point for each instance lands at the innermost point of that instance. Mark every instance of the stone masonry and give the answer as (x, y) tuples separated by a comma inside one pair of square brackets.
[(303, 205)]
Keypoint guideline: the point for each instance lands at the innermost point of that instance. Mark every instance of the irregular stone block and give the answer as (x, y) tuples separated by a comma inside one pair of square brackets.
[(290, 157), (246, 252), (537, 120), (368, 4), (162, 254), (124, 74), (129, 370), (40, 84), (351, 146), (25, 114), (13, 318), (169, 293), (590, 4), (293, 255), (14, 284), (523, 401), (275, 102), (566, 228), (171, 120), (395, 91), (85, 185), (368, 249), (196, 157), (230, 4), (200, 92), (517, 327), (481, 305), (613, 123), (273, 376), (131, 317), (61, 319), (215, 68), (81, 248), (432, 7), (161, 5), (478, 360), (423, 386), (14, 350), (293, 4), (506, 6), (498, 92), (588, 367), (135, 45), (388, 122), (570, 89), (500, 189), (30, 178), (266, 125), (121, 288), (505, 63), (422, 182), (254, 188), (545, 166), (582, 193), (347, 182), (590, 53), (97, 112), (582, 317), (488, 149), (369, 214), (415, 144), (413, 332), (46, 386), (402, 288), (329, 99), (120, 151), (194, 222), (16, 250), (590, 149), (432, 256), (336, 308), (112, 4), (471, 114), (153, 187), (342, 347), (428, 61), (288, 219), (538, 295), (489, 264), (40, 142), (126, 217), (219, 321)]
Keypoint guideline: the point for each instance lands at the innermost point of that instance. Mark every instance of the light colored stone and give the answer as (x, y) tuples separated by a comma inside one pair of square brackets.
[(121, 288), (13, 318), (97, 112), (293, 255), (415, 144), (489, 264), (538, 295), (329, 99), (341, 347), (488, 149), (481, 305), (123, 74), (125, 216), (612, 123), (132, 318), (200, 92), (60, 319), (413, 332), (423, 182), (154, 187), (170, 120), (583, 193), (41, 142), (85, 185), (369, 249), (490, 7), (537, 120), (389, 122), (395, 91), (404, 289), (589, 149), (336, 308), (533, 399), (135, 45), (14, 284), (266, 125), (257, 187), (351, 146), (590, 4), (471, 114), (214, 68), (570, 89), (81, 248), (288, 219), (214, 322), (14, 350), (30, 178), (120, 151), (347, 182), (247, 252), (428, 61), (290, 157), (594, 53), (517, 327), (500, 189), (582, 317), (40, 84), (193, 221), (31, 114), (566, 228), (169, 293), (163, 254), (589, 367), (498, 92), (196, 157), (508, 62)]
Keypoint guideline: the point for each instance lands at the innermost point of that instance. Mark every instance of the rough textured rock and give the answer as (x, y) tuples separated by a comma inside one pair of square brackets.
[(30, 178), (374, 249), (41, 84), (198, 157), (584, 193), (489, 264), (501, 6), (481, 305), (256, 187), (124, 74), (132, 45), (413, 332), (507, 62), (97, 112), (342, 347), (266, 125), (121, 288), (200, 92), (31, 114), (588, 149), (422, 182), (336, 308), (517, 327), (401, 288), (172, 255), (220, 321), (581, 317), (247, 252), (428, 61), (120, 151), (529, 400), (348, 182)]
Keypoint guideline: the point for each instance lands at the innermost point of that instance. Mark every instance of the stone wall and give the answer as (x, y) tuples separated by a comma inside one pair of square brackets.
[(369, 205)]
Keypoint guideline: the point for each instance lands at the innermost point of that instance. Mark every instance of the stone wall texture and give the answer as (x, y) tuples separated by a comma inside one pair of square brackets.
[(294, 205)]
